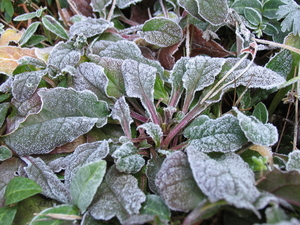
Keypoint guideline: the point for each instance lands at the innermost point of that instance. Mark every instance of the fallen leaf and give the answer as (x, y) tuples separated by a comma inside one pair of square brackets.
[(10, 35), (165, 56), (69, 147)]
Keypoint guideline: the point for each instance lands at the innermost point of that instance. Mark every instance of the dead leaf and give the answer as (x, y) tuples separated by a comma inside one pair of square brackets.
[(10, 35), (9, 56), (69, 147), (165, 56), (81, 6)]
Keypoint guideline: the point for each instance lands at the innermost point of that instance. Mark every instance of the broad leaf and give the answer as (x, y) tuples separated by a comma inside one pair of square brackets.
[(191, 6), (260, 112), (10, 35), (270, 8), (3, 111), (214, 11), (7, 214), (176, 185), (127, 158), (161, 31), (39, 172), (55, 27), (20, 188), (89, 27), (154, 130), (100, 6), (281, 63), (152, 168), (220, 135), (256, 131), (253, 16), (239, 5), (228, 178), (57, 215), (29, 32), (125, 3), (293, 162), (25, 84), (118, 195), (85, 183), (65, 115), (121, 112), (5, 153)]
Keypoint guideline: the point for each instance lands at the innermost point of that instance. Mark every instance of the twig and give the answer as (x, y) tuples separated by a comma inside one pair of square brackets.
[(111, 11), (296, 111), (277, 45)]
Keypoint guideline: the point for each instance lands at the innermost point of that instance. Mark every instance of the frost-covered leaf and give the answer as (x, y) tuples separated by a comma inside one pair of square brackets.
[(3, 111), (121, 112), (154, 130), (118, 195), (85, 183), (127, 158), (61, 56), (51, 24), (290, 11), (5, 153), (20, 188), (152, 168), (52, 187), (31, 29), (127, 50), (190, 6), (228, 178), (256, 131), (25, 84), (161, 31), (91, 76), (176, 185), (293, 162), (7, 84), (281, 63), (125, 3), (100, 6), (89, 27), (239, 5), (253, 16), (220, 135), (65, 115), (214, 11), (84, 154), (260, 112), (270, 8), (27, 60)]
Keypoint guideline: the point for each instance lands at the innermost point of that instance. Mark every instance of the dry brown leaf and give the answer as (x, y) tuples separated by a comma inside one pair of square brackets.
[(10, 35), (9, 56)]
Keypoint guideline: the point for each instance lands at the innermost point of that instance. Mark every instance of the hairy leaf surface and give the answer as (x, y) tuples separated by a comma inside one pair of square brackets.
[(293, 162), (118, 195), (214, 11)]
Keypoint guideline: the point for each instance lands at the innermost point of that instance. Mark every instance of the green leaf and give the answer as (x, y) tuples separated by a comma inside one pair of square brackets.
[(190, 6), (5, 153), (253, 16), (85, 183), (20, 188), (3, 111), (152, 168), (213, 11), (7, 215), (125, 3), (270, 8), (55, 27), (270, 29), (260, 112), (160, 92), (293, 162), (239, 5), (118, 195), (176, 185), (227, 177), (281, 63), (161, 31), (220, 135), (65, 213), (154, 130), (26, 16), (66, 114), (29, 32), (127, 158), (100, 6), (256, 131)]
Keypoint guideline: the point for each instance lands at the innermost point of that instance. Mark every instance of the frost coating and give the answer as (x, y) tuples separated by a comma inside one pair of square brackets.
[(176, 185), (118, 195), (52, 187), (125, 3), (214, 11), (220, 135), (154, 130), (255, 131), (228, 177), (293, 162)]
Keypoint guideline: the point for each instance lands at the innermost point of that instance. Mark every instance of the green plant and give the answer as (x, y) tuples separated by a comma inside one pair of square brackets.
[(133, 140)]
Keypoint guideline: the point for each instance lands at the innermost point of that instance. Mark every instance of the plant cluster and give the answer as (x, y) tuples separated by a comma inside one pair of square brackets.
[(110, 118)]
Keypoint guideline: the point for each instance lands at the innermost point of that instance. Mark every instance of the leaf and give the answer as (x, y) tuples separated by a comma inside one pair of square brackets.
[(239, 5), (260, 112), (161, 31), (176, 185), (154, 130), (7, 215), (290, 12), (293, 161), (125, 3), (127, 158), (118, 195), (9, 56), (220, 135), (228, 178), (253, 16), (85, 183), (53, 188), (26, 16), (5, 153), (57, 215), (190, 6), (25, 84), (213, 11), (155, 206), (281, 63), (270, 8), (3, 111), (121, 112), (100, 6), (62, 120), (20, 188), (89, 27), (10, 35), (55, 27), (282, 184), (29, 32), (84, 154), (256, 131), (152, 168)]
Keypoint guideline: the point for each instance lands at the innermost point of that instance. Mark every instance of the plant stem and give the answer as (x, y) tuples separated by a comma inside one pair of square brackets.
[(111, 12), (277, 45)]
